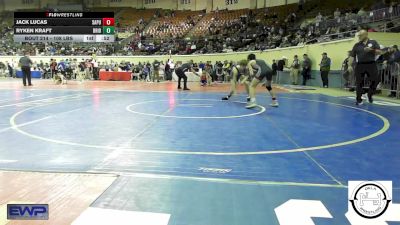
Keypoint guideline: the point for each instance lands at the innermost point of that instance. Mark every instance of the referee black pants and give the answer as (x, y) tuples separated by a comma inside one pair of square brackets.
[(26, 72), (181, 75), (371, 70)]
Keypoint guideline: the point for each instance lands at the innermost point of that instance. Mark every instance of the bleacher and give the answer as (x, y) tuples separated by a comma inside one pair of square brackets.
[(269, 15), (130, 17), (215, 20), (174, 24)]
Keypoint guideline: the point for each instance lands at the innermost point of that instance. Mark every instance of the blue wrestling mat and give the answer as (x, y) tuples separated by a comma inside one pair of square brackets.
[(204, 161)]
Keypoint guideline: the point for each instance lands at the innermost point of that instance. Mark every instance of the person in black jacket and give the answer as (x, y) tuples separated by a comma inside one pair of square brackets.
[(156, 71), (180, 72), (281, 64), (274, 67), (365, 51), (306, 65), (168, 75), (10, 69), (26, 64)]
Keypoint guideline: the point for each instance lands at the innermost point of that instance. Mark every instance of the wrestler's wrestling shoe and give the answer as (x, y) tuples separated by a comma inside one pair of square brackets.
[(274, 104), (251, 105)]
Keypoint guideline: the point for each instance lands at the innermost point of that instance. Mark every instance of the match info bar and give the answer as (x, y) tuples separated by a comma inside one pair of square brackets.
[(64, 27)]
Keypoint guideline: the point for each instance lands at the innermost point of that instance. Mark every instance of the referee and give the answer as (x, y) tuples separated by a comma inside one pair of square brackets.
[(180, 72), (365, 52), (25, 62)]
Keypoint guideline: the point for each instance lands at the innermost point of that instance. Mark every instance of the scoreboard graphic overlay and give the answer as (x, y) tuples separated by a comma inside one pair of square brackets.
[(64, 27)]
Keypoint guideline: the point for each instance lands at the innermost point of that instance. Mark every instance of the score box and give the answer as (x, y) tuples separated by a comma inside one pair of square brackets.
[(105, 38), (108, 21), (108, 30)]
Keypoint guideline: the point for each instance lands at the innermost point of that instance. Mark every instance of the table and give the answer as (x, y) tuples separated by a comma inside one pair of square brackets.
[(34, 74), (111, 75)]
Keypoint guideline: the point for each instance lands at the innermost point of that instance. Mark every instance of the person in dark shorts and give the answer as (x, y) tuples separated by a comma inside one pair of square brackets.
[(238, 74), (365, 51), (180, 72), (258, 69), (26, 64)]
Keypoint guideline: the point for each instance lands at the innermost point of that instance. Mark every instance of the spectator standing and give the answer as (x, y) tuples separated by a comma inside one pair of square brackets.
[(68, 70), (362, 13), (318, 19), (53, 67), (202, 65), (61, 67), (294, 70), (306, 66), (301, 4), (348, 75), (281, 64), (168, 73), (208, 68), (336, 14), (41, 64), (325, 67), (219, 71), (390, 11), (145, 72), (227, 69), (26, 63), (274, 67), (81, 71), (74, 68), (95, 70), (156, 70), (2, 69), (171, 65), (393, 58), (88, 69), (10, 69)]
